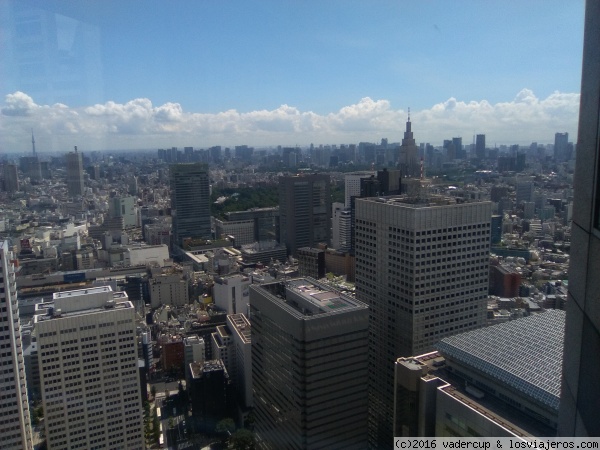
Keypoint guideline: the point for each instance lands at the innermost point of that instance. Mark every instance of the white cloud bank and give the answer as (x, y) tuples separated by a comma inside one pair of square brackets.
[(139, 124)]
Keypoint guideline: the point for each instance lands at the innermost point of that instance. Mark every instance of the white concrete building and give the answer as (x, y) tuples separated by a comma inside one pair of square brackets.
[(221, 345), (241, 230), (342, 226), (126, 208), (146, 254), (241, 369), (158, 233), (15, 427), (84, 259), (230, 293), (193, 349), (168, 290), (352, 185), (87, 354)]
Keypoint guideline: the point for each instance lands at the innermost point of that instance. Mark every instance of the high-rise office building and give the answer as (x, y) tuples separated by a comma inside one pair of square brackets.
[(74, 173), (230, 293), (409, 153), (309, 365), (241, 370), (30, 166), (580, 395), (125, 207), (304, 211), (561, 147), (190, 202), (352, 183), (87, 354), (480, 146), (422, 266), (341, 226), (458, 147), (524, 191), (15, 432), (11, 178), (253, 225)]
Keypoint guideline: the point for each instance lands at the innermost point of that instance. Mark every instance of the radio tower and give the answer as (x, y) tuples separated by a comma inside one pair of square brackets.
[(33, 143)]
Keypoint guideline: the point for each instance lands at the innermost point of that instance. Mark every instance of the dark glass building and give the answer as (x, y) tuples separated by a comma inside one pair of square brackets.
[(309, 366), (304, 211), (190, 202)]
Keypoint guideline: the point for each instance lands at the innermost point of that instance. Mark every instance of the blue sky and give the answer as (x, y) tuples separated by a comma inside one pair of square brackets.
[(321, 59)]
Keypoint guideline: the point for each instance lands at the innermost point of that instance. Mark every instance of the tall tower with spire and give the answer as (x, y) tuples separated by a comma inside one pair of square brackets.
[(33, 143), (409, 153)]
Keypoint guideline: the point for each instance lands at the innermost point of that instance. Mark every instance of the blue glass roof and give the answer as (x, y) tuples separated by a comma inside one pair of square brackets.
[(524, 354)]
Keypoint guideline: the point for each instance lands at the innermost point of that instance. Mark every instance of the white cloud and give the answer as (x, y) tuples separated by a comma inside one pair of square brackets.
[(18, 104), (140, 124)]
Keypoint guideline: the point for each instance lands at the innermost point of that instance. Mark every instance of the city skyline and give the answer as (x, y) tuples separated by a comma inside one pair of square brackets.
[(139, 125), (285, 73)]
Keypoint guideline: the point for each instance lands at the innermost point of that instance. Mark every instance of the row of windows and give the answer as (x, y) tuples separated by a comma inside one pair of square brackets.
[(68, 330), (50, 333), (446, 330)]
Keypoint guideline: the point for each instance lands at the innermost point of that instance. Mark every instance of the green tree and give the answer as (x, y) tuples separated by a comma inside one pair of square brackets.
[(249, 422), (36, 414), (155, 426), (225, 428), (242, 439)]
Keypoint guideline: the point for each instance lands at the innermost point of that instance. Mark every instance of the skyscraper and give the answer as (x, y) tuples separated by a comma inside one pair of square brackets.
[(580, 394), (190, 202), (30, 166), (341, 226), (352, 182), (561, 147), (304, 211), (409, 153), (458, 147), (422, 266), (74, 173), (87, 354), (11, 179), (480, 146), (309, 365), (15, 432)]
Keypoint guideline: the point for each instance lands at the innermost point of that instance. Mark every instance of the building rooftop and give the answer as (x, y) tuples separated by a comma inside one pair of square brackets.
[(312, 250), (425, 201), (523, 354), (433, 365), (263, 246), (198, 369), (306, 298), (47, 311), (241, 326), (193, 340)]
